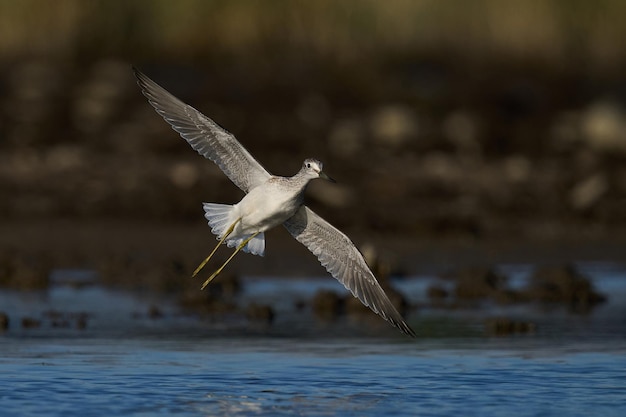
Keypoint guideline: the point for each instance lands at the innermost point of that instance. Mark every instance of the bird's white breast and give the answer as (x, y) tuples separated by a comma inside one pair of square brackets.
[(267, 206)]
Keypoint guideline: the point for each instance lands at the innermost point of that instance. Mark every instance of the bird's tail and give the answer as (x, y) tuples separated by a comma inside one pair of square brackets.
[(221, 218)]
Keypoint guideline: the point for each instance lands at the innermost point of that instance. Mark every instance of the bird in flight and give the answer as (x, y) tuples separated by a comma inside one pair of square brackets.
[(269, 201)]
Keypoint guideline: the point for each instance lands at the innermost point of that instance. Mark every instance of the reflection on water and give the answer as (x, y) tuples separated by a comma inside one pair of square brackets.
[(126, 362)]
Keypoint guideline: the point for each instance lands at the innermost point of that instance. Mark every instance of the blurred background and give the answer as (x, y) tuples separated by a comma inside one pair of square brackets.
[(479, 149), (476, 124)]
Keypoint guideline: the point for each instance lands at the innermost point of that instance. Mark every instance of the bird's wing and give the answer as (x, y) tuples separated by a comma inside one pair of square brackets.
[(205, 136), (342, 259)]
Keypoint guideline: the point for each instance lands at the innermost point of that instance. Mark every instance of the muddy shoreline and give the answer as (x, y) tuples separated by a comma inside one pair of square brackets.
[(68, 244)]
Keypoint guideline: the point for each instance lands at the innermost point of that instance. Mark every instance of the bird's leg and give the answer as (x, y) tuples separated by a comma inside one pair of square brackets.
[(216, 273), (226, 234)]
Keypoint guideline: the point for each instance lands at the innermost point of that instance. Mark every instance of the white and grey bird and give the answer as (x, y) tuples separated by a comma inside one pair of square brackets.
[(269, 201)]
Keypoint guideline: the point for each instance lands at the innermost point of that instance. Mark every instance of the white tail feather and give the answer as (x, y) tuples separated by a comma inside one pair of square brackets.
[(221, 217)]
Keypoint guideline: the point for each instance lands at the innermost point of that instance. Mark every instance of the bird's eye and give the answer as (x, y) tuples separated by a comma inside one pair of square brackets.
[(308, 165)]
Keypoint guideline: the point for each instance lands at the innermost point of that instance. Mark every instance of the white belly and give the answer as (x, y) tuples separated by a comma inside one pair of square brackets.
[(264, 208)]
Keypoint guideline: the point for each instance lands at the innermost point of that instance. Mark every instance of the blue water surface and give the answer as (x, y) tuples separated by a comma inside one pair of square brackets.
[(124, 363), (262, 376)]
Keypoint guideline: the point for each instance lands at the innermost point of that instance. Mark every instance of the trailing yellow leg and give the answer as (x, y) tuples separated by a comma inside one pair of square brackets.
[(228, 232), (216, 273)]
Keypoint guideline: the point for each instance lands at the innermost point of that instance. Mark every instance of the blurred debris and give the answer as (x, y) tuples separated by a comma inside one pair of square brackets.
[(65, 319), (560, 286), (154, 312), (30, 323), (218, 298), (314, 111), (201, 303), (336, 195), (346, 138), (604, 126), (99, 98), (517, 169), (476, 283), (184, 175), (472, 176), (564, 285), (4, 321), (260, 313), (461, 129), (437, 295), (21, 272), (393, 126), (74, 278), (34, 87), (586, 193), (327, 305), (503, 326)]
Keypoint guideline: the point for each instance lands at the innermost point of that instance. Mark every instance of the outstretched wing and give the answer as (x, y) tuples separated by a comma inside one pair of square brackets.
[(342, 259), (205, 136)]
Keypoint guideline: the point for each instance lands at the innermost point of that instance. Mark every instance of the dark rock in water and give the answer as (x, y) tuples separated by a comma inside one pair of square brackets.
[(154, 312), (4, 321), (65, 319), (30, 323), (73, 277), (81, 322), (260, 313), (438, 296), (354, 307), (226, 285), (327, 305), (478, 283), (504, 326), (564, 285), (436, 293), (205, 304), (217, 298), (23, 272), (474, 284)]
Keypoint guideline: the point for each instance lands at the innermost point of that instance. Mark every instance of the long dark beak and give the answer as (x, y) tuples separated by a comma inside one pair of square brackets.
[(326, 177)]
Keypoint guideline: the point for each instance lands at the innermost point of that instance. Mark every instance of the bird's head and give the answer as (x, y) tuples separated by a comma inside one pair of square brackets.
[(313, 169)]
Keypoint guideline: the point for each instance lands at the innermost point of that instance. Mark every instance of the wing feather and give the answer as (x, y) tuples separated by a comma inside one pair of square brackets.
[(344, 262), (205, 136)]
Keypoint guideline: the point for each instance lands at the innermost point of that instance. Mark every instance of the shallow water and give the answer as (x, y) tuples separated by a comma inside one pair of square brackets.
[(197, 377), (125, 364)]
